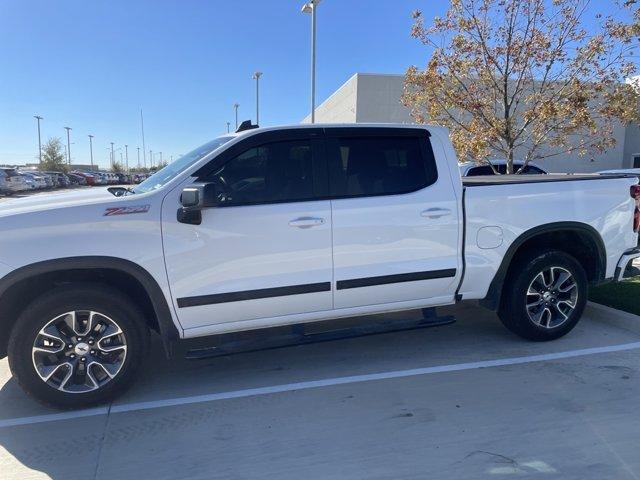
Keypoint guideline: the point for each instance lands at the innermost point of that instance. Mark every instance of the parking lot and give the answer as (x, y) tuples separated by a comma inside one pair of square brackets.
[(468, 400)]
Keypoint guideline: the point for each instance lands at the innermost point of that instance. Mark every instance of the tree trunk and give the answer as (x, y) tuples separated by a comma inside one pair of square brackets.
[(510, 162)]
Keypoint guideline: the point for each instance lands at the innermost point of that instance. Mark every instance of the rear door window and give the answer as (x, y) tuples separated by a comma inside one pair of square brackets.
[(361, 166)]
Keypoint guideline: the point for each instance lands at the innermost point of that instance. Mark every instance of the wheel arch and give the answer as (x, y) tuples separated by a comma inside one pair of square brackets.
[(126, 276), (575, 238)]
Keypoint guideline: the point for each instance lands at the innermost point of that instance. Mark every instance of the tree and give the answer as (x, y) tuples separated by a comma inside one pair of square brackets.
[(52, 157), (524, 78), (117, 167), (161, 165)]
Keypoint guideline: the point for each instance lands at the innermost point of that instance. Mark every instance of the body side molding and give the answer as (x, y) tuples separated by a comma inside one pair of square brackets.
[(227, 297)]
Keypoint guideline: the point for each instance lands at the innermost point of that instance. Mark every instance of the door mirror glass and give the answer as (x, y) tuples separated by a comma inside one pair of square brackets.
[(190, 197), (198, 196)]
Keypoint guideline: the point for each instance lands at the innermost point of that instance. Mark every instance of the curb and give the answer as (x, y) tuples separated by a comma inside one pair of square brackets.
[(619, 318)]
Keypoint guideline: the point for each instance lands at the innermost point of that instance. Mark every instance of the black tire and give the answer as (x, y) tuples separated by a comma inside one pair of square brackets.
[(513, 311), (110, 303)]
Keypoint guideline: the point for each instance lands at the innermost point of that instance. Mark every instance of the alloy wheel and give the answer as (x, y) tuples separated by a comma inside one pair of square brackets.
[(79, 351), (551, 297)]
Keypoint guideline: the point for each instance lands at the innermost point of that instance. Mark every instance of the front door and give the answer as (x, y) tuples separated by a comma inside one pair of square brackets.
[(265, 252)]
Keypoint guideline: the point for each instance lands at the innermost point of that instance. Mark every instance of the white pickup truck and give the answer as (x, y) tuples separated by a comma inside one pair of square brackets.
[(288, 225)]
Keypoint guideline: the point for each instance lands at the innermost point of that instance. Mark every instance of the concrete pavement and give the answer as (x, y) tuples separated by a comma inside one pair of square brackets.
[(571, 415)]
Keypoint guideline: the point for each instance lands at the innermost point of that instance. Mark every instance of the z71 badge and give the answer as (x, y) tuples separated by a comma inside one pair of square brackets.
[(126, 210)]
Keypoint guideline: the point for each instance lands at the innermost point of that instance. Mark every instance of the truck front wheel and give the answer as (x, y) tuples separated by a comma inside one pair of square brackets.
[(544, 295), (78, 345)]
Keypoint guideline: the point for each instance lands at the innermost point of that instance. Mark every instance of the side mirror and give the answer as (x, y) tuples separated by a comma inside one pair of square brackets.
[(199, 195), (195, 198)]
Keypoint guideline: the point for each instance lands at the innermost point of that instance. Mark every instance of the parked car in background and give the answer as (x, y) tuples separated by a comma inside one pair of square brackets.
[(15, 181), (76, 179), (101, 177), (472, 169), (49, 179), (4, 188), (63, 180), (89, 178), (41, 180), (29, 181), (53, 177), (123, 178)]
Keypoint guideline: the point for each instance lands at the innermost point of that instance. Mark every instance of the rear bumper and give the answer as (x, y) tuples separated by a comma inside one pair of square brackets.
[(625, 269)]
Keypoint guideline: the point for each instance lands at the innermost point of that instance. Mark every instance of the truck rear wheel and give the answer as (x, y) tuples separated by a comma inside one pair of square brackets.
[(544, 296), (77, 345)]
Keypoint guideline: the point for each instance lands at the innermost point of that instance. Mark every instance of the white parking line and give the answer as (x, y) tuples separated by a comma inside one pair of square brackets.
[(328, 382)]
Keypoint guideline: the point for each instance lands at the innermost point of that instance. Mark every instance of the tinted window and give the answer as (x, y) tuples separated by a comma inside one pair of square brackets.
[(271, 173), (531, 170), (480, 171), (368, 166)]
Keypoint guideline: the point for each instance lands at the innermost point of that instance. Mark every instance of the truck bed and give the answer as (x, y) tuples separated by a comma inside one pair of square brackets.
[(496, 217), (553, 177)]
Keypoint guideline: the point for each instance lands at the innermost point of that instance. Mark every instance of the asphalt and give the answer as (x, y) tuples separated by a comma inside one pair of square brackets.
[(468, 400)]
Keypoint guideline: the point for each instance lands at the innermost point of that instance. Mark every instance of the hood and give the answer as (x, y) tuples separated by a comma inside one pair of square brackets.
[(47, 201)]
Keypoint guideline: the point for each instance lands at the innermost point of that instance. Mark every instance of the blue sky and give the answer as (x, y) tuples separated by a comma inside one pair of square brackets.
[(92, 65)]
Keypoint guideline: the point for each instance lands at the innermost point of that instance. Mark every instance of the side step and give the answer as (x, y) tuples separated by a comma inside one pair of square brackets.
[(231, 344)]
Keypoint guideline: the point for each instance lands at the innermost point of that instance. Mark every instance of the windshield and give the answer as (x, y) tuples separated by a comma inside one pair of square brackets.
[(162, 177)]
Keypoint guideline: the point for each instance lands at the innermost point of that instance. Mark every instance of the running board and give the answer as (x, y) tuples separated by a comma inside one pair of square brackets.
[(297, 335)]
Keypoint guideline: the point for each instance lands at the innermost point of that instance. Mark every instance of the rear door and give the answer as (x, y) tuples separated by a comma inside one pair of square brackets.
[(395, 218)]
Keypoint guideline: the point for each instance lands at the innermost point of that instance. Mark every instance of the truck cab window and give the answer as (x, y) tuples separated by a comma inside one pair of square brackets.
[(272, 173), (370, 166)]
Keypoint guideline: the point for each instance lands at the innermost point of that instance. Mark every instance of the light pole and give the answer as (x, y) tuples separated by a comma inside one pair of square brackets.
[(113, 158), (68, 129), (38, 118), (138, 157), (228, 126), (91, 149), (256, 77), (144, 155), (160, 158), (236, 106), (150, 158), (310, 7), (126, 156)]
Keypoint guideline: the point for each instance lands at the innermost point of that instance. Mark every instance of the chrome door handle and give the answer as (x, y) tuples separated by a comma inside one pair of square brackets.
[(306, 222), (435, 212)]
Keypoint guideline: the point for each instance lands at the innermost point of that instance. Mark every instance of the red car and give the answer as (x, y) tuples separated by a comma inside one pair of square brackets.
[(91, 180)]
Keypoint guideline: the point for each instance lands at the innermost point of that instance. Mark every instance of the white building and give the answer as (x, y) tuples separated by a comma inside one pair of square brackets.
[(375, 98)]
